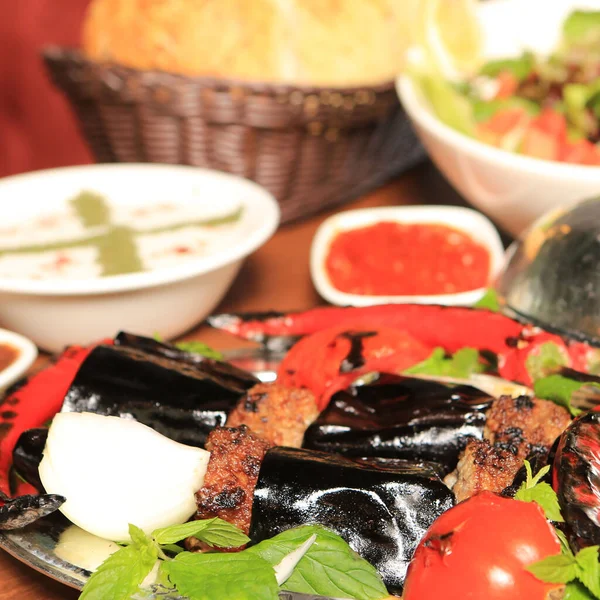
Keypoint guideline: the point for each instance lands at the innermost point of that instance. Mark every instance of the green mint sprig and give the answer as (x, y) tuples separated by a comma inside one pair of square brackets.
[(328, 567), (560, 389), (540, 492), (460, 365), (121, 574), (195, 347), (579, 572)]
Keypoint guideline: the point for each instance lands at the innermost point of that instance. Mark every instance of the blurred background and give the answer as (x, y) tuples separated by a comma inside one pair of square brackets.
[(33, 113)]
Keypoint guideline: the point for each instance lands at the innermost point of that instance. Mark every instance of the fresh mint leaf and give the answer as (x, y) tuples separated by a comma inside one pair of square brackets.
[(558, 389), (195, 347), (120, 575), (535, 490), (329, 568), (241, 575), (461, 365), (489, 301), (545, 361), (172, 548), (564, 542), (214, 532), (589, 569), (580, 572), (577, 591), (555, 569), (139, 538)]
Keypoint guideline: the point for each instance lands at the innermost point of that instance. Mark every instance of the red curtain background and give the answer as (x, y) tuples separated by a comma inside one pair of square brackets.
[(37, 128)]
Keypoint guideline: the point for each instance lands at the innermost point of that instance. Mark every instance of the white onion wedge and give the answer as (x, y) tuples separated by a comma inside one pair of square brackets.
[(116, 471)]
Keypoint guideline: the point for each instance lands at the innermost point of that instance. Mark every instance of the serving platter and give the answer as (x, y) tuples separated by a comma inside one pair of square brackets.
[(64, 552)]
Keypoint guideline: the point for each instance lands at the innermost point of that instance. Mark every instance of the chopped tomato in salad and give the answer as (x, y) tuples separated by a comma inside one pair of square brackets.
[(542, 107)]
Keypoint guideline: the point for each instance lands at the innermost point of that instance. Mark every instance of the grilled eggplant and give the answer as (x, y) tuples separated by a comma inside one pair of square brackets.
[(27, 455), (401, 417), (577, 479), (180, 397), (382, 508)]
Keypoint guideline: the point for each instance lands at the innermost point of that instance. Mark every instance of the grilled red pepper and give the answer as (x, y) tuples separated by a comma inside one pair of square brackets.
[(328, 361), (515, 345), (33, 404), (447, 326), (577, 479)]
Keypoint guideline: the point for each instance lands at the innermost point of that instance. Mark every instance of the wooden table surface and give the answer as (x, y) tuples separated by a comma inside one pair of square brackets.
[(275, 277)]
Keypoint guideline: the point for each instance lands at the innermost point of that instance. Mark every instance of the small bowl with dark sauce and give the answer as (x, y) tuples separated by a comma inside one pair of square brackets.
[(17, 354)]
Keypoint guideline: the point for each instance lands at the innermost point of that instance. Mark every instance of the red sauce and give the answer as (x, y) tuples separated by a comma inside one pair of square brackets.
[(397, 259), (8, 355)]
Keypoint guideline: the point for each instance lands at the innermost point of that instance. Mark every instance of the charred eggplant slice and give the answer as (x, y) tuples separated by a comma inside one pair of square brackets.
[(381, 508), (181, 400), (27, 455), (229, 375), (577, 479), (24, 510), (401, 417)]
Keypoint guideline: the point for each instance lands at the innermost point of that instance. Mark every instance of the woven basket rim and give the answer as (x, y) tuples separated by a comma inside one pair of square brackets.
[(57, 53)]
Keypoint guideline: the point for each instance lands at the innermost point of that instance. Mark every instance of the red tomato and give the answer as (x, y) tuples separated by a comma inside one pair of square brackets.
[(553, 123), (507, 85), (479, 549), (540, 144), (500, 124), (581, 152)]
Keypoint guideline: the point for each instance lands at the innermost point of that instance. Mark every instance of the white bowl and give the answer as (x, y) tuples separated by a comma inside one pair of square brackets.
[(168, 301), (514, 190), (470, 221), (26, 355)]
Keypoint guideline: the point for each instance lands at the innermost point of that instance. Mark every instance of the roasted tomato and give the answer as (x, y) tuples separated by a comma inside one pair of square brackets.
[(479, 550)]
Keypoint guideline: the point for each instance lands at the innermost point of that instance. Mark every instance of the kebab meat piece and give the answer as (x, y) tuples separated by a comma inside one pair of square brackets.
[(515, 429)]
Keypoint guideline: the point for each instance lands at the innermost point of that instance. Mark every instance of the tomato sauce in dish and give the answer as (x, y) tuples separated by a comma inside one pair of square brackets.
[(8, 355), (406, 259)]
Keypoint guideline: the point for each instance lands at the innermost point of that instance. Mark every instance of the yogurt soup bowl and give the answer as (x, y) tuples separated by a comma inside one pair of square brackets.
[(87, 251)]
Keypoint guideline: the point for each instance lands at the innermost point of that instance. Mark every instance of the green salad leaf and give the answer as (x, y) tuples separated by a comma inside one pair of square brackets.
[(484, 110), (540, 492), (214, 532), (521, 67), (460, 365), (329, 568), (580, 26), (451, 107), (240, 575), (120, 575)]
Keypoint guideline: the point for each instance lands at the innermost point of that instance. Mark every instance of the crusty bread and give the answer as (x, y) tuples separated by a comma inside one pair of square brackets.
[(302, 42)]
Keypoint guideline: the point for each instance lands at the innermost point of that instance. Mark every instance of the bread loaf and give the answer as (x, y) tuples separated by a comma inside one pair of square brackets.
[(332, 43)]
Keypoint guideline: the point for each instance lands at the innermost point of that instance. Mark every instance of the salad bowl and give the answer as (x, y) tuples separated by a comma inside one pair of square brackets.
[(514, 190)]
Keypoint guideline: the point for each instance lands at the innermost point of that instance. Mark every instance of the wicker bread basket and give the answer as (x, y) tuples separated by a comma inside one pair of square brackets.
[(313, 148)]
